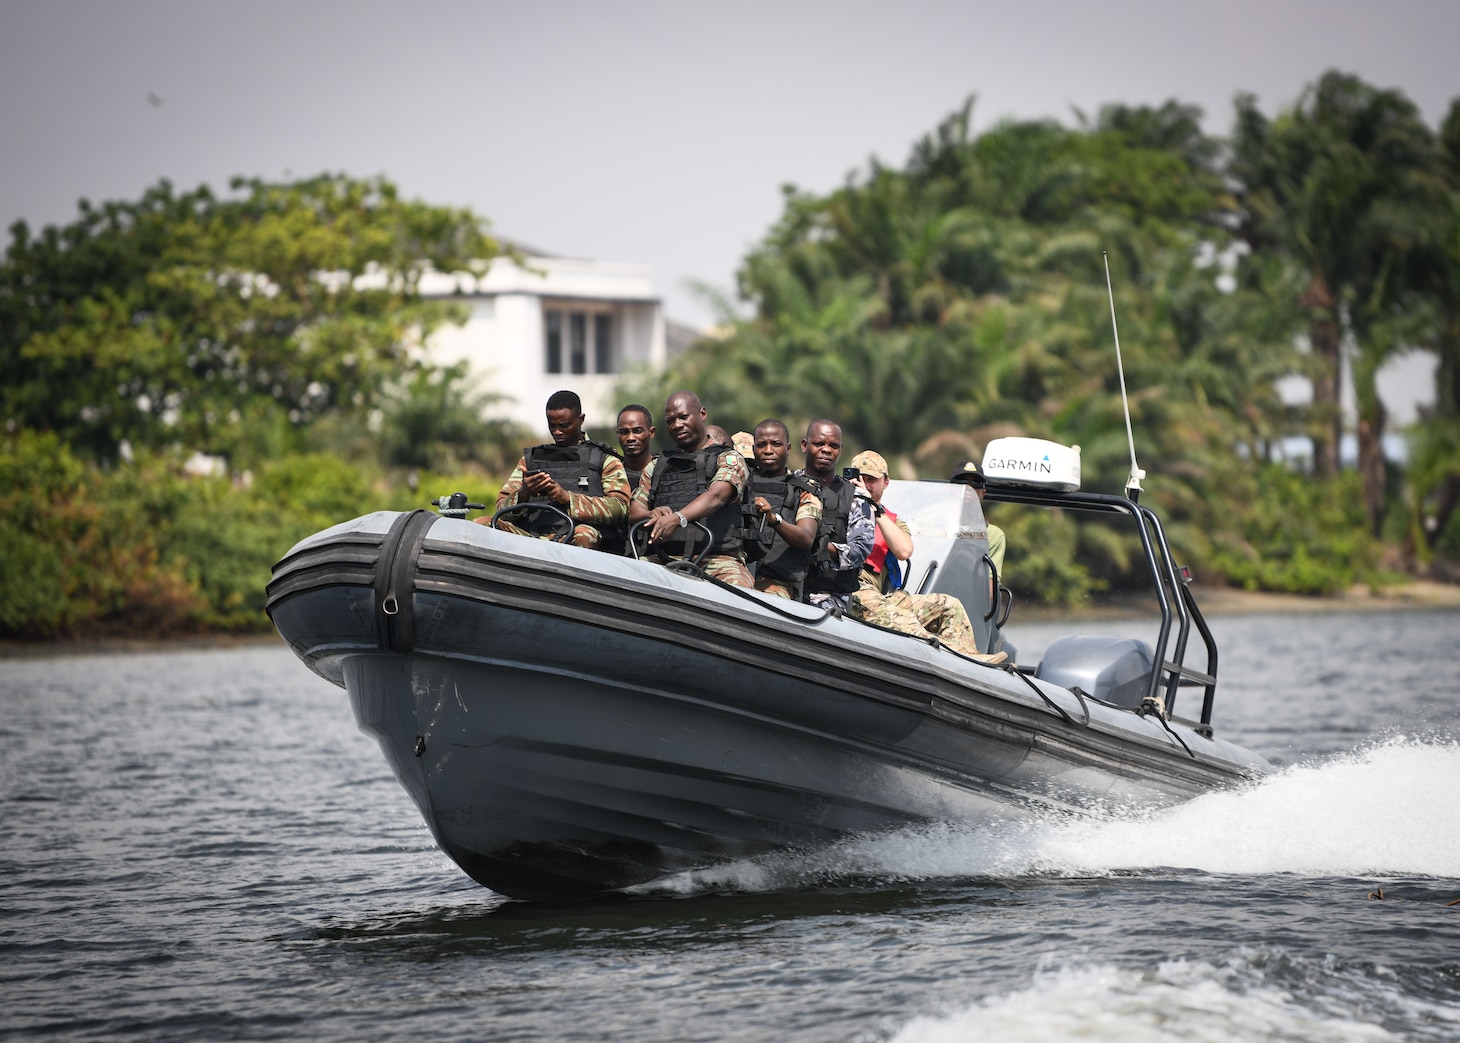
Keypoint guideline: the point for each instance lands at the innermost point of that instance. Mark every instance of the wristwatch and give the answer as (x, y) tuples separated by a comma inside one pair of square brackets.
[(683, 521), (775, 519)]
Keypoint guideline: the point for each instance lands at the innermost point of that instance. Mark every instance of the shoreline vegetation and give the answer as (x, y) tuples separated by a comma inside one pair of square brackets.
[(1415, 595), (193, 381)]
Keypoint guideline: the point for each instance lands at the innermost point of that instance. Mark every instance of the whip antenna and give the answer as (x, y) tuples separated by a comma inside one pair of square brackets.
[(1133, 483)]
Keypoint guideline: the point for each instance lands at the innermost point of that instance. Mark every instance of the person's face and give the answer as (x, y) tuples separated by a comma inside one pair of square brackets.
[(823, 448), (565, 426), (772, 446), (686, 424), (875, 486), (635, 433)]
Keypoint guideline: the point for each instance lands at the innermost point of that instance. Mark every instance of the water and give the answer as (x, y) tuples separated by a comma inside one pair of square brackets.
[(199, 844)]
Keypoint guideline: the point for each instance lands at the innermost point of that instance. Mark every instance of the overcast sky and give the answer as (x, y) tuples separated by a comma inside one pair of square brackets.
[(653, 132)]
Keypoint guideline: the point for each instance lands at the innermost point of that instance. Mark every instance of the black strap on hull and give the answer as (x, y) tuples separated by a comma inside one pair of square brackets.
[(395, 581)]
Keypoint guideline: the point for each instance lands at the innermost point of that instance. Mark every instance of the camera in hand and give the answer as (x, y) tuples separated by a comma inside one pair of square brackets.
[(850, 473)]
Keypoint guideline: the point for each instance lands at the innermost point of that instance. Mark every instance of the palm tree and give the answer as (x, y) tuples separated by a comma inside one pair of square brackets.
[(1337, 184), (1435, 457)]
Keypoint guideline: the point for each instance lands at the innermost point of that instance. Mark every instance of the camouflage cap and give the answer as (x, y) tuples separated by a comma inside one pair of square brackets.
[(969, 474), (870, 463)]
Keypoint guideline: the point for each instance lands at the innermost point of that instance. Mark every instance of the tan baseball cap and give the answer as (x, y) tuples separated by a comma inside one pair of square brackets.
[(870, 463)]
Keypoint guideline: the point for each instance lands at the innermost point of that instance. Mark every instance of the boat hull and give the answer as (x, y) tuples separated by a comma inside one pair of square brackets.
[(570, 724)]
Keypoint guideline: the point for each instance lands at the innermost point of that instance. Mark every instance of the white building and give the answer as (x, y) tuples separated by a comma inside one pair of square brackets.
[(554, 323)]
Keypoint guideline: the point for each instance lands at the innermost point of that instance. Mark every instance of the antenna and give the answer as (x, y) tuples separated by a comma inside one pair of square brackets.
[(1133, 483)]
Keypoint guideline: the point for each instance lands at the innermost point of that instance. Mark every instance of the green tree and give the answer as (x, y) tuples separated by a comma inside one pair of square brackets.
[(1342, 185), (931, 308), (435, 421), (223, 324), (1435, 452)]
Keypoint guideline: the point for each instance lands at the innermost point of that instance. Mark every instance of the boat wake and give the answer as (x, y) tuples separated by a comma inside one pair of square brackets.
[(1383, 811), (1254, 994)]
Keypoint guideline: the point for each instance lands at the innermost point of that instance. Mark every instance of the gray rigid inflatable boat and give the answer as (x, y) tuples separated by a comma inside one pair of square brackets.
[(571, 723)]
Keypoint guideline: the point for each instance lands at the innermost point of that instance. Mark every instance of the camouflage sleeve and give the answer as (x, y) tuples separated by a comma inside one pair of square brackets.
[(809, 507), (646, 482), (609, 509), (732, 469), (512, 486)]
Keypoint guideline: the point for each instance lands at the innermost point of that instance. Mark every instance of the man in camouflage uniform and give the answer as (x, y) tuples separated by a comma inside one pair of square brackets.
[(636, 440), (717, 505), (783, 569), (590, 512), (847, 526), (919, 615)]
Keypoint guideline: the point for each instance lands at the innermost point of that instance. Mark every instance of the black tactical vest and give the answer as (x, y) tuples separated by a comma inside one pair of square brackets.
[(763, 544), (679, 477), (823, 577), (577, 468)]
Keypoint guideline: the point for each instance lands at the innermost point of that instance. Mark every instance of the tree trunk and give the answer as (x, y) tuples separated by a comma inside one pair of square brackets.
[(1372, 422), (1323, 339), (1447, 406), (1371, 465), (1449, 496)]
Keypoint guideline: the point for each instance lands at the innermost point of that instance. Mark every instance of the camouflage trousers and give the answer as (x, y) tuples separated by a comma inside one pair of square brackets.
[(728, 568), (781, 588), (583, 535), (919, 615)]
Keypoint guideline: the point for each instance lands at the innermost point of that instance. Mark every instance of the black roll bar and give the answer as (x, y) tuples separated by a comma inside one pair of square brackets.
[(1171, 584)]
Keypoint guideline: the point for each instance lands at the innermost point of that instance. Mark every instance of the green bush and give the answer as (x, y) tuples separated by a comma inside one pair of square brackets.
[(82, 546), (1295, 534), (229, 535), (1043, 561), (145, 548)]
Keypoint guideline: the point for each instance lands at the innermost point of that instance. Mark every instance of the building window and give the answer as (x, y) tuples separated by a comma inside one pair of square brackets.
[(578, 341), (603, 343), (554, 332)]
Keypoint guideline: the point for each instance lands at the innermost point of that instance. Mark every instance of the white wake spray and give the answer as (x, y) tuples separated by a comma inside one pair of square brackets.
[(1388, 810), (1179, 999)]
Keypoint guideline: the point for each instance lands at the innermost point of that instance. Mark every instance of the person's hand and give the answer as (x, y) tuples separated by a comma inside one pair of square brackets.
[(663, 523), (540, 483), (763, 505)]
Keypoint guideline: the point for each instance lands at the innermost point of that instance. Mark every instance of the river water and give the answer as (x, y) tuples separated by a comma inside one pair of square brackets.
[(199, 844)]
